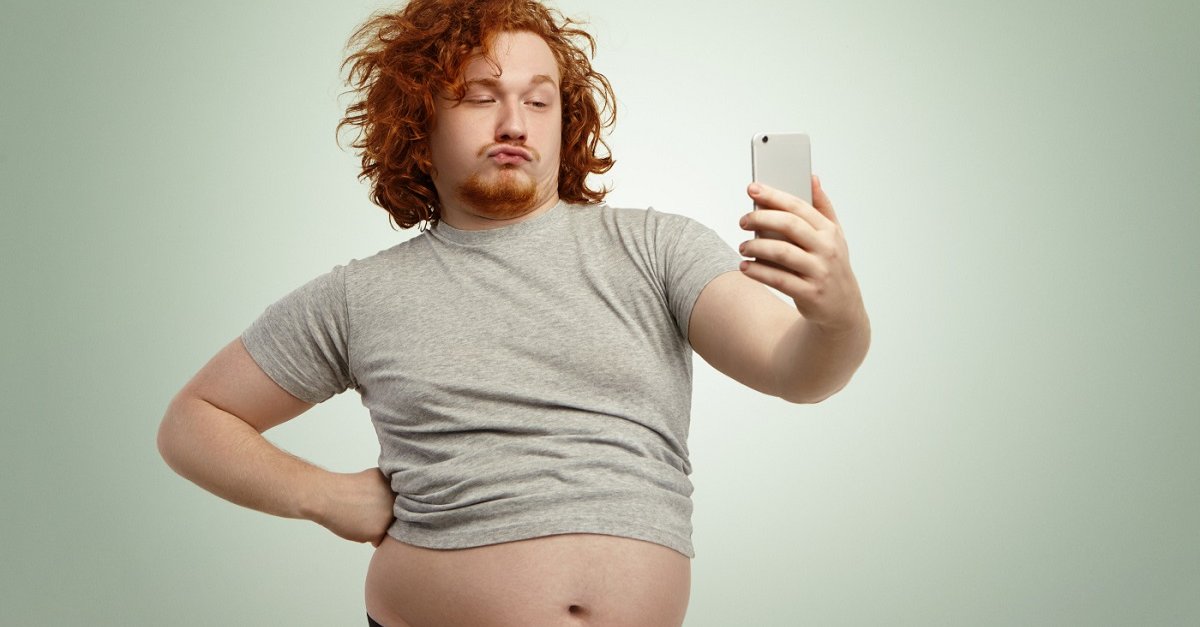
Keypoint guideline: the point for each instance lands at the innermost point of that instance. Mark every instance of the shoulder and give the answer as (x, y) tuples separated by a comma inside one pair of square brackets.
[(366, 274), (385, 259)]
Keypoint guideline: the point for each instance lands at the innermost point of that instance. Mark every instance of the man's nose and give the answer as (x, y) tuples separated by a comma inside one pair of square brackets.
[(511, 125)]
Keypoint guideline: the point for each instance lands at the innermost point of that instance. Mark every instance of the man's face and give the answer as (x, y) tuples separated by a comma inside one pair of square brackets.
[(519, 111)]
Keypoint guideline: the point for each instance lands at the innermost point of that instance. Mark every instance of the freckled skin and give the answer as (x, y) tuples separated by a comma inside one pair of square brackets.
[(517, 110)]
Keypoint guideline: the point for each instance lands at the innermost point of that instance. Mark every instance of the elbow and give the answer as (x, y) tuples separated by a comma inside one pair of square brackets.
[(165, 440), (810, 396), (168, 437), (812, 366), (796, 399)]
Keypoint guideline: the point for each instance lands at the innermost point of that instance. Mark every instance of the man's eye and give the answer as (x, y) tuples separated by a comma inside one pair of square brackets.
[(539, 105), (480, 100)]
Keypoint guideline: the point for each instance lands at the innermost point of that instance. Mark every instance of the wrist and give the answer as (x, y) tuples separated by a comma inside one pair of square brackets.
[(316, 496), (856, 324)]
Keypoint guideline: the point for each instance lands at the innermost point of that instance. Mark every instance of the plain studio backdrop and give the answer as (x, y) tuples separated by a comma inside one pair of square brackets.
[(1017, 182)]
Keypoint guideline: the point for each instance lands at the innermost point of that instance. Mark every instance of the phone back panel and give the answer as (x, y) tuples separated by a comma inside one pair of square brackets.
[(784, 162)]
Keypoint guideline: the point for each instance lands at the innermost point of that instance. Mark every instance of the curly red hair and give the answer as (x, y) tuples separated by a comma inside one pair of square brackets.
[(408, 57)]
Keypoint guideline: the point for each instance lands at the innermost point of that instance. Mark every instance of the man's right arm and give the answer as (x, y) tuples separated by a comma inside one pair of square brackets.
[(212, 435)]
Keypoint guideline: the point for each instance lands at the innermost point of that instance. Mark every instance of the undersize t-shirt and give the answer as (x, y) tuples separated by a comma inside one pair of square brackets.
[(524, 381)]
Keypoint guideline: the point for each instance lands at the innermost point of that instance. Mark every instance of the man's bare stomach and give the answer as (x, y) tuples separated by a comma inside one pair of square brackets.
[(571, 579)]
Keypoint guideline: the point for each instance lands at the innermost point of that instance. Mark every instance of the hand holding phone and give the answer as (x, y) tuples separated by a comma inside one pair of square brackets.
[(819, 280)]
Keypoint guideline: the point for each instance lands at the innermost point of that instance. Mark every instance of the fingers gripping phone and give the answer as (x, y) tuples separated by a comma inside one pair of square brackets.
[(783, 161)]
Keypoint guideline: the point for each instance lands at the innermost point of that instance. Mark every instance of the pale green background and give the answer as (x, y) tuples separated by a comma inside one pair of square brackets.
[(1018, 186)]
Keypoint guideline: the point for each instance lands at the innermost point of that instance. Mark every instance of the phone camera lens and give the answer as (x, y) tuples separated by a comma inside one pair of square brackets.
[(765, 138)]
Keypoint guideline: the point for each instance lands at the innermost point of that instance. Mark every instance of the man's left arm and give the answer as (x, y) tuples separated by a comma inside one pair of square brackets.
[(803, 354)]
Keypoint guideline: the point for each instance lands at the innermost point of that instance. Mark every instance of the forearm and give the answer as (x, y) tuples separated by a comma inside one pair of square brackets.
[(813, 363), (219, 452)]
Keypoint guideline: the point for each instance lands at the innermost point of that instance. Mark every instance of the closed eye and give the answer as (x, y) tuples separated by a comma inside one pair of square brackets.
[(485, 100)]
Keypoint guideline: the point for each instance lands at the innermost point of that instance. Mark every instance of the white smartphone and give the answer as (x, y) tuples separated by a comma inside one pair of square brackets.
[(783, 161)]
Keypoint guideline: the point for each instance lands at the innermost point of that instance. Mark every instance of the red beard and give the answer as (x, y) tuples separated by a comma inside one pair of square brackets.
[(502, 196)]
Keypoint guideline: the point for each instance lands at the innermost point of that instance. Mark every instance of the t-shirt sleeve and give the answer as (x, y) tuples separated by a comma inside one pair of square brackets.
[(302, 340), (689, 255)]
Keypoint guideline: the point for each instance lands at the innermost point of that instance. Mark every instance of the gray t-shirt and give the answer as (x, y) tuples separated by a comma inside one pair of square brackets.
[(524, 381)]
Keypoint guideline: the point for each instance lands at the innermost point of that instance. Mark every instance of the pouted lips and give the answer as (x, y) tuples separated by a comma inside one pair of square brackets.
[(510, 154)]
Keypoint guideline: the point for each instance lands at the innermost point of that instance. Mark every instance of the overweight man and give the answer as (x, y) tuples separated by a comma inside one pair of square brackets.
[(526, 358)]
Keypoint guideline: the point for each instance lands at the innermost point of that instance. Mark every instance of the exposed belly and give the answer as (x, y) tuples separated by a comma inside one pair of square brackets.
[(569, 579)]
